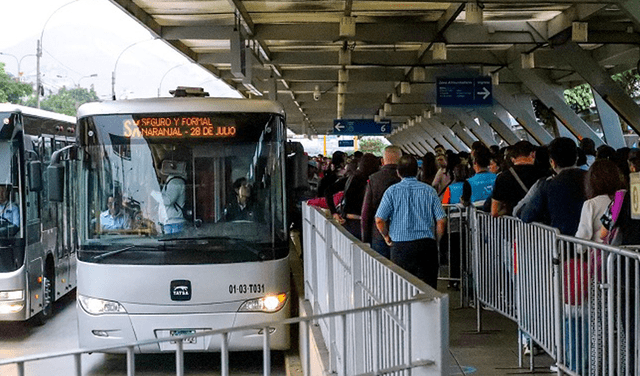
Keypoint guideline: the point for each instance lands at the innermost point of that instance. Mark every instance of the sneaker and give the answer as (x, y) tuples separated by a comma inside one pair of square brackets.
[(553, 368), (536, 350)]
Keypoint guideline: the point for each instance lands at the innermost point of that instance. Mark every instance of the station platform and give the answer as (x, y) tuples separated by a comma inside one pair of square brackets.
[(493, 351)]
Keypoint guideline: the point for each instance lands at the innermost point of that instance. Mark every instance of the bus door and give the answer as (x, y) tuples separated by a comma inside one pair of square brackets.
[(211, 171)]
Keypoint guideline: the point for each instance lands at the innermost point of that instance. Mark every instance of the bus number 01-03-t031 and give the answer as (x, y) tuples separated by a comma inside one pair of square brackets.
[(246, 289)]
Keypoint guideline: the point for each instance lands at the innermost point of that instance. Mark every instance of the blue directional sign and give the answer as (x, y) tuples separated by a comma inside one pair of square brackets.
[(345, 143), (361, 127), (459, 92)]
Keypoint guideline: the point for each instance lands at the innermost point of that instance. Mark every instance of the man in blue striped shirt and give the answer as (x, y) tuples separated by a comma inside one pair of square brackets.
[(411, 220)]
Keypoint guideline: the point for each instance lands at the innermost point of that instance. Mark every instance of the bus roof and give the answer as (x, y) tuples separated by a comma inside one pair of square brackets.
[(10, 107), (168, 105)]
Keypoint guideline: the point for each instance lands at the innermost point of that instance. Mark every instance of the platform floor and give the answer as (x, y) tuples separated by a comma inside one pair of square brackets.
[(494, 351)]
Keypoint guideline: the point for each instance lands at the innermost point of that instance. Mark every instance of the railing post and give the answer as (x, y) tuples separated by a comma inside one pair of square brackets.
[(376, 340), (343, 320), (20, 366), (306, 348), (358, 345), (179, 358), (77, 362), (267, 352), (558, 259), (131, 361), (224, 355)]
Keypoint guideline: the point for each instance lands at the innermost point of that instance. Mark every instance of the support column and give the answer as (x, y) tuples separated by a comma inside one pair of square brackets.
[(526, 119), (611, 126), (448, 134), (632, 9), (600, 81), (543, 90), (416, 137), (424, 138), (463, 135), (498, 125), (468, 121), (406, 141), (434, 134)]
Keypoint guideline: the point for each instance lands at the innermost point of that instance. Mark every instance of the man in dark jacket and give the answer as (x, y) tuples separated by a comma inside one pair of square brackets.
[(378, 183), (557, 201)]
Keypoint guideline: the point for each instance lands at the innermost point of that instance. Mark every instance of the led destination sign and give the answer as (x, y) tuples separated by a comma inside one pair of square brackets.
[(177, 127)]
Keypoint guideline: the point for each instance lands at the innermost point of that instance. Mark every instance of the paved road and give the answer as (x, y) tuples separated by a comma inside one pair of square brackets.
[(61, 332)]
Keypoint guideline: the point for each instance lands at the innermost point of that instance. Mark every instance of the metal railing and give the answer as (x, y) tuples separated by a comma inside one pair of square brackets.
[(413, 306), (367, 310), (343, 273), (454, 250), (597, 318), (576, 299)]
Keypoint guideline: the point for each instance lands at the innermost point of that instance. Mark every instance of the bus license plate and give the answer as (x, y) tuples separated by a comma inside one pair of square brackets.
[(178, 333)]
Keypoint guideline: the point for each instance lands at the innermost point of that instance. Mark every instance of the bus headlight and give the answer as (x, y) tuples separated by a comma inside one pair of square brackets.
[(12, 295), (269, 304), (100, 306)]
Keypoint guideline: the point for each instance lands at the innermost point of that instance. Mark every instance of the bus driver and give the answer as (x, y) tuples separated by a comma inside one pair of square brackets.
[(9, 212), (115, 217)]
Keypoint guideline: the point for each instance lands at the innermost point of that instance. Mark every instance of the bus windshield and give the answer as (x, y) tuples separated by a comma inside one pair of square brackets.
[(183, 188)]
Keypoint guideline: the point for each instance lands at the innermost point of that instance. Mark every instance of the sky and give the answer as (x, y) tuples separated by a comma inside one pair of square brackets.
[(85, 41)]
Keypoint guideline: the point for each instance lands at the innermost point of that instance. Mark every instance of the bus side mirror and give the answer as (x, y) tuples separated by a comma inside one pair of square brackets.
[(297, 166), (55, 177), (55, 173), (35, 176)]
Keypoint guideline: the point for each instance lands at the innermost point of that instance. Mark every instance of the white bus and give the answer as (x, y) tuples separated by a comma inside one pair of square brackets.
[(38, 240), (183, 222)]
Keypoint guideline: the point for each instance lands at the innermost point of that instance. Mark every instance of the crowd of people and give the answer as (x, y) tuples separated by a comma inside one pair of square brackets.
[(395, 203)]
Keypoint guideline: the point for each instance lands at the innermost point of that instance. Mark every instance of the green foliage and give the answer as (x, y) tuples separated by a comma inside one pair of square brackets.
[(372, 145), (66, 101), (11, 90), (579, 98), (630, 82)]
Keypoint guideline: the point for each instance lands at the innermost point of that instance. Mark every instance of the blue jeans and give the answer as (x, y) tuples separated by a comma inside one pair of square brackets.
[(173, 228), (576, 348)]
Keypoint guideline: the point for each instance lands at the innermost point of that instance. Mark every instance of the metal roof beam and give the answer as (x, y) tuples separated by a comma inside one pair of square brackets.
[(379, 33)]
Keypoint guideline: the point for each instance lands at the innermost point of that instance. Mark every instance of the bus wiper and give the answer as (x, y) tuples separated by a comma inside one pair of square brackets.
[(111, 253), (195, 238), (242, 242)]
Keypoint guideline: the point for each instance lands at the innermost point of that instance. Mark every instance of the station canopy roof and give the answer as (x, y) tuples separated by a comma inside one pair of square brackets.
[(366, 59)]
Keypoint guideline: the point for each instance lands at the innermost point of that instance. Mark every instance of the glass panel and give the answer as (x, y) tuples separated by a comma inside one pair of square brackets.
[(11, 256), (155, 200)]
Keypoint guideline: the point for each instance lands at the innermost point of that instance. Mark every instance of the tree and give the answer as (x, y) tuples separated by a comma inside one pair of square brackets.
[(66, 101), (579, 98), (11, 90), (372, 145), (630, 82)]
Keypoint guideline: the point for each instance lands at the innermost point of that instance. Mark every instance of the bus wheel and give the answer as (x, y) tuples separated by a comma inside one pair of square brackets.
[(47, 301)]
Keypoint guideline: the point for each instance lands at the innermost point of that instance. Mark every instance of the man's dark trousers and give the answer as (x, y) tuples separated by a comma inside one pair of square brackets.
[(418, 257)]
